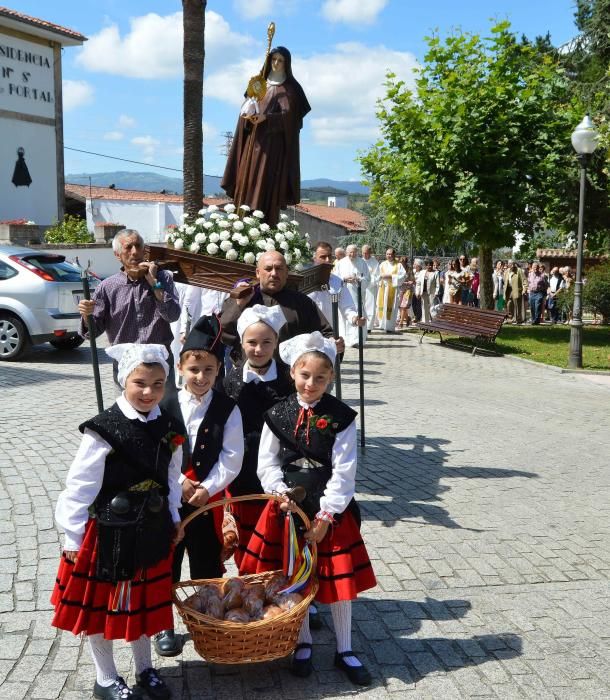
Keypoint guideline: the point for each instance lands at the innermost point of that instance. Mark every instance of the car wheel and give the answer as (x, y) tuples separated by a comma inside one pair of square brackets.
[(14, 338), (67, 343)]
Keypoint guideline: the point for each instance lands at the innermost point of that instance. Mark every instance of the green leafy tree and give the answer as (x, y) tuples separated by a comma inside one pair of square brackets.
[(470, 153), (596, 292), (70, 230)]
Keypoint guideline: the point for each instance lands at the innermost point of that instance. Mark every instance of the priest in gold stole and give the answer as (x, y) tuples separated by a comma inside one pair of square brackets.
[(391, 274)]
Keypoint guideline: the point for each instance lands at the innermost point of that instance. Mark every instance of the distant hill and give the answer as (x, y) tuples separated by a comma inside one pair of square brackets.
[(153, 182)]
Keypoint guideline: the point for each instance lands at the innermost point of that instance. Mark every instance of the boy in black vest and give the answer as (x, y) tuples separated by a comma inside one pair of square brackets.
[(212, 456)]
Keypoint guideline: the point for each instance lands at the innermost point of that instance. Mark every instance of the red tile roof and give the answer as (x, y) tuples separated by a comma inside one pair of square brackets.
[(563, 253), (41, 24), (83, 192), (346, 218)]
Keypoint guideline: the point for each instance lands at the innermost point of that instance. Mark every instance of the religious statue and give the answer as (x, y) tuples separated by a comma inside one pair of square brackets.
[(263, 169), (21, 174)]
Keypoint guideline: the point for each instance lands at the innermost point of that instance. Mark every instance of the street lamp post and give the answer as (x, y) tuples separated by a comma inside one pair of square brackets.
[(584, 140)]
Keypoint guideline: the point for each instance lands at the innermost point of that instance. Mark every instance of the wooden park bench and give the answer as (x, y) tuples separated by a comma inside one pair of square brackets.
[(465, 322)]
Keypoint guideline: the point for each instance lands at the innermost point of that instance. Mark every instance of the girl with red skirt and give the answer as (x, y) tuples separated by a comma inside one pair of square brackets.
[(309, 440), (120, 514)]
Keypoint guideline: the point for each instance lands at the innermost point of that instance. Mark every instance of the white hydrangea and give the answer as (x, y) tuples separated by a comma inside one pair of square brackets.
[(225, 235), (289, 235), (259, 256), (245, 207), (225, 245), (182, 228), (212, 248), (169, 237), (212, 208), (232, 254), (279, 237), (249, 221), (208, 225), (269, 247), (238, 225), (264, 227), (214, 237), (232, 217), (283, 217), (236, 236), (297, 254), (284, 245), (178, 244), (200, 238), (214, 215), (295, 223), (282, 226), (243, 240), (299, 267), (250, 258), (202, 212), (200, 221), (288, 258), (258, 214), (183, 216), (224, 223), (190, 230), (254, 233), (260, 244), (194, 247), (229, 208)]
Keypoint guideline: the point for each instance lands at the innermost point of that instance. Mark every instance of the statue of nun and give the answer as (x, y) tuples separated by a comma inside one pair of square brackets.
[(21, 174)]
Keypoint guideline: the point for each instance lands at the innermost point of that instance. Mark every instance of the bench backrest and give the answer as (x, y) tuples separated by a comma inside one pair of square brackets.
[(488, 322)]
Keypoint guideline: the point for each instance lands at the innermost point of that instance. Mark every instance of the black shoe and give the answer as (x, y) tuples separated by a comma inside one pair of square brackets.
[(119, 690), (301, 667), (152, 684), (358, 675), (167, 644), (315, 621)]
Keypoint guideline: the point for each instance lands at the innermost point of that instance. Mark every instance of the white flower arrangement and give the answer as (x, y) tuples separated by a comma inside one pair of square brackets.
[(240, 234)]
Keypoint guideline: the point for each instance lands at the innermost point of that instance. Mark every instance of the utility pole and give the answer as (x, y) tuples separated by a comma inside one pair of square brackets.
[(228, 142)]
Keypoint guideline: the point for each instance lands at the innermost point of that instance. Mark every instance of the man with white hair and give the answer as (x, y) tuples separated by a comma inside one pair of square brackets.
[(370, 297), (137, 304), (352, 270), (339, 255)]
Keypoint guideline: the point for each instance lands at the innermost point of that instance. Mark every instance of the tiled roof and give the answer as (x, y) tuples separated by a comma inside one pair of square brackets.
[(83, 192), (347, 218), (563, 253), (41, 24)]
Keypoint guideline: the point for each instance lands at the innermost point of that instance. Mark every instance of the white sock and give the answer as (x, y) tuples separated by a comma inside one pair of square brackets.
[(342, 622), (304, 638), (142, 658), (101, 651)]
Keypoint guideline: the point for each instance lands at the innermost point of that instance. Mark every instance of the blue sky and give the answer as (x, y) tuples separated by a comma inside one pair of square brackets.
[(123, 89)]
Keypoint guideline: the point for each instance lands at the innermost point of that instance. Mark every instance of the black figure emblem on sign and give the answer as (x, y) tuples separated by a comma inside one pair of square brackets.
[(21, 174)]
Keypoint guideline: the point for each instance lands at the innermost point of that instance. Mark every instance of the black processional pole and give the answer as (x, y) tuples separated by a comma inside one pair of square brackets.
[(84, 275), (335, 305), (361, 366)]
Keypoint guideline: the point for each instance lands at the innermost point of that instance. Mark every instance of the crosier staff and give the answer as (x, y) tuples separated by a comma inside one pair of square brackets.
[(334, 299), (84, 276), (361, 365)]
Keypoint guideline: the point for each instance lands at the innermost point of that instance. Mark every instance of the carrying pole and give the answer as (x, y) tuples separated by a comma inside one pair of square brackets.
[(84, 275), (361, 367), (335, 306)]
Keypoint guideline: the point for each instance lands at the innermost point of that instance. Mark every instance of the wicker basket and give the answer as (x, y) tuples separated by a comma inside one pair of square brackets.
[(225, 642)]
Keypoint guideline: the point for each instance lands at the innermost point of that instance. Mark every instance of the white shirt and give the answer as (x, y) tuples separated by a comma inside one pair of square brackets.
[(387, 268), (86, 475), (323, 300), (198, 302), (373, 265), (249, 375), (231, 456), (341, 486)]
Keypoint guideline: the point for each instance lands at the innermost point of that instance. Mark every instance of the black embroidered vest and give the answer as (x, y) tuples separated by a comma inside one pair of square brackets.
[(210, 434), (253, 399)]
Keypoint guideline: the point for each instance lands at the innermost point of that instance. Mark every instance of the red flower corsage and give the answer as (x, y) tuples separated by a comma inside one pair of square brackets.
[(321, 423), (175, 440)]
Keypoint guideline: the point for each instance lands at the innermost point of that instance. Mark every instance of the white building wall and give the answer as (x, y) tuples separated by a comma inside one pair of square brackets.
[(149, 218)]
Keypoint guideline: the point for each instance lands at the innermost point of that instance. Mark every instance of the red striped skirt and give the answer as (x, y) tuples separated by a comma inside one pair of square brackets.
[(344, 568), (83, 603), (246, 514)]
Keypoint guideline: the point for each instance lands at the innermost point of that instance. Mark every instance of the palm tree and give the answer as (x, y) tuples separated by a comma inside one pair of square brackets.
[(193, 23)]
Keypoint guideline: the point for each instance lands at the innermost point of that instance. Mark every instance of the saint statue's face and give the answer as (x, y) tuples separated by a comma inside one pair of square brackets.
[(277, 63)]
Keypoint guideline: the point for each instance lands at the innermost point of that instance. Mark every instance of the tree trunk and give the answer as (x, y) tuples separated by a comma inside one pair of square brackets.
[(193, 23), (486, 279)]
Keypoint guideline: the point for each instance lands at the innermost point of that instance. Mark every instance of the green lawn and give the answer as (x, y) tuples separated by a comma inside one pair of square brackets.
[(550, 344)]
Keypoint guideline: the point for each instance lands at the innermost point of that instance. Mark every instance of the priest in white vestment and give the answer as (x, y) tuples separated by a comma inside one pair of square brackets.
[(370, 297), (352, 269), (391, 275)]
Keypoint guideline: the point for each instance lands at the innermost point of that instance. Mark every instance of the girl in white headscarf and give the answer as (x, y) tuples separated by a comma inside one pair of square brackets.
[(119, 511)]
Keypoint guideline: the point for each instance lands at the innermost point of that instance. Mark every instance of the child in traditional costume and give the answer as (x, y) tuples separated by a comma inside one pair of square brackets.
[(120, 515), (309, 440), (212, 456), (256, 386)]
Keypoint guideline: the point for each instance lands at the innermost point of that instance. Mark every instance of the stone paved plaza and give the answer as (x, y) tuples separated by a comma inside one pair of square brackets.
[(485, 500)]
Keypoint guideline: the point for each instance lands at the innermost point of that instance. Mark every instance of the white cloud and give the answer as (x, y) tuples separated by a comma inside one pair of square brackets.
[(152, 48), (113, 136), (250, 9), (352, 12), (76, 93), (148, 144), (343, 99), (126, 121)]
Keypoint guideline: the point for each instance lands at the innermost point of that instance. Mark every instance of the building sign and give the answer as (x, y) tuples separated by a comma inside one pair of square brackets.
[(27, 82)]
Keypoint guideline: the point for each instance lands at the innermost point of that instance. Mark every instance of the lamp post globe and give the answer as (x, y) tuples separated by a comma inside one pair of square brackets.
[(584, 141)]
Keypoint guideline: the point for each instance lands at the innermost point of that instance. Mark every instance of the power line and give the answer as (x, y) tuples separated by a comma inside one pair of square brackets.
[(128, 160)]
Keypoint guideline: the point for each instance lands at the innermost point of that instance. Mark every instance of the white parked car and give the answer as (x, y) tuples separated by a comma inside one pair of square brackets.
[(39, 293)]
